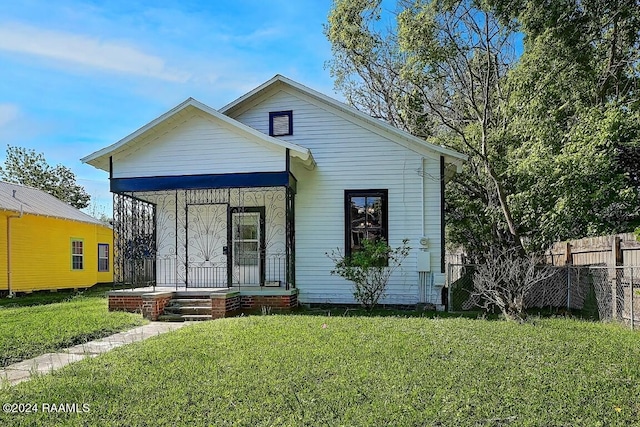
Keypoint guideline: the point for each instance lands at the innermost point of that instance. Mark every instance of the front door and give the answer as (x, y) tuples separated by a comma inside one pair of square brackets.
[(248, 246), (207, 245)]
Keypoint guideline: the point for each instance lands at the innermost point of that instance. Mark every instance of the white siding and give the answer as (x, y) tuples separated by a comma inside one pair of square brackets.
[(351, 157), (196, 144)]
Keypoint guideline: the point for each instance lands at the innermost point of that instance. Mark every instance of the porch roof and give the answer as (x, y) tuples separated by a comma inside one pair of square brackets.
[(206, 181), (100, 158)]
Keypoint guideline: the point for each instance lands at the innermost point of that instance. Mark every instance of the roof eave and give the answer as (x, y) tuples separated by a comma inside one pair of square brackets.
[(99, 159)]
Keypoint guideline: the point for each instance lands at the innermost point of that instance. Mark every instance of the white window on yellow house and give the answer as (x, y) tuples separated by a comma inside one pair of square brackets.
[(103, 257), (77, 254)]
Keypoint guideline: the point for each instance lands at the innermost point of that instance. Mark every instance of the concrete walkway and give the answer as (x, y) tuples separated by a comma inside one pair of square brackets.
[(22, 371)]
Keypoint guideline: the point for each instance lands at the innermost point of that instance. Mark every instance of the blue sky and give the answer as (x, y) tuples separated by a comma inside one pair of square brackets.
[(77, 76)]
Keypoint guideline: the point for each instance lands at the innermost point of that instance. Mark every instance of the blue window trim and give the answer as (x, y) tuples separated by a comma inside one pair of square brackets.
[(273, 114)]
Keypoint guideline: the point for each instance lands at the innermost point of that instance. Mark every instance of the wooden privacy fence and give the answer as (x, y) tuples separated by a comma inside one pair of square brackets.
[(614, 250)]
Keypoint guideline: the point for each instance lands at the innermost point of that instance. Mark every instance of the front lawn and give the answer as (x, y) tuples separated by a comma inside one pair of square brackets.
[(353, 371), (31, 330)]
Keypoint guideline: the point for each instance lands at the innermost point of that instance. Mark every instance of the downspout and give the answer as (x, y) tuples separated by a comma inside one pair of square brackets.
[(442, 223), (422, 208), (9, 218)]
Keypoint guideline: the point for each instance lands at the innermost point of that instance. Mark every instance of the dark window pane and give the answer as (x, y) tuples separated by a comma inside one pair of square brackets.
[(246, 227), (246, 253), (77, 262), (76, 247)]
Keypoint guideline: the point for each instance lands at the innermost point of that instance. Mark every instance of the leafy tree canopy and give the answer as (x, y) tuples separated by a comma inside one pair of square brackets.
[(26, 167), (542, 96)]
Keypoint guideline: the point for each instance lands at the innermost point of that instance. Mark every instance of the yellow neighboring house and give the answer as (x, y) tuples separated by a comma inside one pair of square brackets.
[(48, 244)]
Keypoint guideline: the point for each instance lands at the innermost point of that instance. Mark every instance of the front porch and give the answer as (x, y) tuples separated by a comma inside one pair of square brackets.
[(205, 236), (208, 303)]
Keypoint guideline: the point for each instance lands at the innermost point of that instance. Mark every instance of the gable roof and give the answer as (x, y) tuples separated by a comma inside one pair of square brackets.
[(20, 198), (100, 158), (349, 113)]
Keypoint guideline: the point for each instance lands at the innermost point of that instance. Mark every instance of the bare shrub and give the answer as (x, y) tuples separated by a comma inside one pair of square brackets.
[(505, 279)]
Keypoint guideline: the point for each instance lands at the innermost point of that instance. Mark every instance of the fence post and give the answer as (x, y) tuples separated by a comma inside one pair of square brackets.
[(568, 287), (568, 256), (448, 282), (616, 283), (632, 299), (568, 262)]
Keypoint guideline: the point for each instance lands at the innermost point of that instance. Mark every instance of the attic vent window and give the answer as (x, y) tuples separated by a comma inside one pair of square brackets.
[(281, 123)]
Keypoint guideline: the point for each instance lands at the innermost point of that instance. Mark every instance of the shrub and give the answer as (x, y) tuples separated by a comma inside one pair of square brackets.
[(505, 279), (369, 268)]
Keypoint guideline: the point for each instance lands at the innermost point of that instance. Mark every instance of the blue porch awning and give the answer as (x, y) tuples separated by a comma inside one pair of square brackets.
[(197, 182)]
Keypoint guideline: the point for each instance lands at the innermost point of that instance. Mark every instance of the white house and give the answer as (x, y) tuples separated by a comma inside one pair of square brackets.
[(253, 196)]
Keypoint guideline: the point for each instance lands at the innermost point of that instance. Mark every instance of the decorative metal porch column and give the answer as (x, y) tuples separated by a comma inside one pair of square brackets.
[(134, 240)]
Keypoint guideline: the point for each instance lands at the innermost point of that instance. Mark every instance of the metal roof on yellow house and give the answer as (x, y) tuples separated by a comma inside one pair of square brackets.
[(29, 200)]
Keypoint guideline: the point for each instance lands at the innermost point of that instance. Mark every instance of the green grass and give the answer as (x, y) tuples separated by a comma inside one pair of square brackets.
[(356, 371), (48, 297), (34, 324)]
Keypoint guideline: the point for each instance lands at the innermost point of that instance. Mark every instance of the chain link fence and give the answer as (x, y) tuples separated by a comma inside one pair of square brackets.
[(597, 291)]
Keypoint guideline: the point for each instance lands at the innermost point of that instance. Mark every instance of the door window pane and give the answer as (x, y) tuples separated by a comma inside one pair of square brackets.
[(246, 238)]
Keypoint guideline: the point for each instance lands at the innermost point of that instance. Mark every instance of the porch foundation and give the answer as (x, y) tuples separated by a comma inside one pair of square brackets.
[(153, 304), (227, 302)]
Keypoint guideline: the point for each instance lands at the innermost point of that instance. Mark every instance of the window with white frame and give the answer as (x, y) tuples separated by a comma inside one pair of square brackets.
[(77, 254), (103, 257)]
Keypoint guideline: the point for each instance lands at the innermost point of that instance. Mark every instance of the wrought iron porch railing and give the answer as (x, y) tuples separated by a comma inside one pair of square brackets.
[(168, 272)]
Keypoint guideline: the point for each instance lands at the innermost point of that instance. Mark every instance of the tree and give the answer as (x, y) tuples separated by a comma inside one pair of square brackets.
[(439, 73), (574, 112), (369, 268), (26, 167), (531, 122)]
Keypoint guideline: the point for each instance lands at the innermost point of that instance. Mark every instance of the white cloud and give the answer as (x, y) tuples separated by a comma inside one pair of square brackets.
[(8, 113), (86, 51)]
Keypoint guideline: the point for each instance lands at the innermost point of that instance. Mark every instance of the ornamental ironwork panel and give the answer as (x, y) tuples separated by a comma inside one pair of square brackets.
[(134, 241), (206, 241)]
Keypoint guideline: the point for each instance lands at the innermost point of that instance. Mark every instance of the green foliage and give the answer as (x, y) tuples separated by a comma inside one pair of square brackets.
[(552, 132), (354, 371), (370, 268), (26, 167), (581, 184), (34, 330)]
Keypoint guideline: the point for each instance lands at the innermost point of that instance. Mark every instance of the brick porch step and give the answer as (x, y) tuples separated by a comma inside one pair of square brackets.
[(182, 309), (183, 317), (191, 302)]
